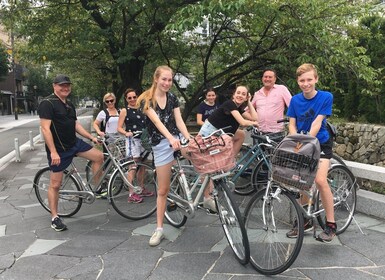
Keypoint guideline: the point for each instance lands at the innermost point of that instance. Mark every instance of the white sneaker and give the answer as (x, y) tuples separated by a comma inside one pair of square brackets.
[(156, 238), (209, 203)]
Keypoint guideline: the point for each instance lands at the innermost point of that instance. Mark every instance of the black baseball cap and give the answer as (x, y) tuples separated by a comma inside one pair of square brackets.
[(62, 79)]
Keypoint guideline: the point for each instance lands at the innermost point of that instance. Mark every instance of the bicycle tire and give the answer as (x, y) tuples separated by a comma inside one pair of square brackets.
[(337, 160), (260, 175), (243, 184), (271, 251), (231, 221), (175, 213), (68, 205), (118, 192), (343, 186)]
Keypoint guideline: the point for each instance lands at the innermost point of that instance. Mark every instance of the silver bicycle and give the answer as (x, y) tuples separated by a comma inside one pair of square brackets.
[(120, 175), (184, 199)]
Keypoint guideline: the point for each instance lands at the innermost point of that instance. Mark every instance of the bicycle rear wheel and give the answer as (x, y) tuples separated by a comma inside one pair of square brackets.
[(344, 189), (337, 160), (143, 177), (68, 204), (231, 220), (268, 217), (175, 213)]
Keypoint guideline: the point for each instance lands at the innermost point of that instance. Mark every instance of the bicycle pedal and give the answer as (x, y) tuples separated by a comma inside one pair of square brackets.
[(171, 207), (210, 212)]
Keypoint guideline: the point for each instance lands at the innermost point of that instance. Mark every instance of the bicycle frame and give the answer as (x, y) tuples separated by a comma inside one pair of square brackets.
[(309, 212), (191, 203), (255, 152), (87, 193)]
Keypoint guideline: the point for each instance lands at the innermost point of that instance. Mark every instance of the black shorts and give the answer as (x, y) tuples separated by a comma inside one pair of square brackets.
[(327, 149), (67, 156)]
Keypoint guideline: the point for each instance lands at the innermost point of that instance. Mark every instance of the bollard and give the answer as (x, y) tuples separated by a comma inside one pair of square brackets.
[(41, 134), (31, 147), (17, 150)]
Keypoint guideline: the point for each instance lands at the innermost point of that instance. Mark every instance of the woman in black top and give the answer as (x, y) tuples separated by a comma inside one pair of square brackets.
[(130, 121), (230, 115)]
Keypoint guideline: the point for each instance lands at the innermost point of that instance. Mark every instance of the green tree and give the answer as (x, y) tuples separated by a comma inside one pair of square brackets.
[(117, 44), (4, 62), (372, 105)]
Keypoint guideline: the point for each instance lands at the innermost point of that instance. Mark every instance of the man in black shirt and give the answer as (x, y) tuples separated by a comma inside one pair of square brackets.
[(59, 126)]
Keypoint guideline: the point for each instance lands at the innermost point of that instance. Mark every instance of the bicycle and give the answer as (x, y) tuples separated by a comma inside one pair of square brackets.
[(74, 190), (260, 173), (183, 201), (145, 158), (271, 212)]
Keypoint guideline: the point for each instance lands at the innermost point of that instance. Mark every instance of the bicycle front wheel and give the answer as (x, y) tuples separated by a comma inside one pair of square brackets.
[(243, 184), (260, 175), (232, 222), (344, 189), (143, 183), (68, 204), (175, 213), (268, 217)]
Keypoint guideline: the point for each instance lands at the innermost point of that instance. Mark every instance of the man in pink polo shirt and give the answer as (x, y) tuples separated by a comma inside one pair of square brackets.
[(270, 102)]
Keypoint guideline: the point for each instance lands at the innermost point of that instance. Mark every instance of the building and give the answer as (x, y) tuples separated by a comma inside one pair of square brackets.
[(12, 86)]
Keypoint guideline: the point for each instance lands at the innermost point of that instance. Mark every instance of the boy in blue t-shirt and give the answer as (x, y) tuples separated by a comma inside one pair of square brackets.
[(308, 111)]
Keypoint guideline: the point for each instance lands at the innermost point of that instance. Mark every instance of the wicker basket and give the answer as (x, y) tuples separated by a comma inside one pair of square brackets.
[(118, 148), (293, 169), (211, 154)]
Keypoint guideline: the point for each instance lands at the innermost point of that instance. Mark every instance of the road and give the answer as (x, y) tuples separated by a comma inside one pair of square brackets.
[(7, 139)]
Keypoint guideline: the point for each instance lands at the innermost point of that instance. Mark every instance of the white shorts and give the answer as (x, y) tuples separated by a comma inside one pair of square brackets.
[(133, 149), (163, 153)]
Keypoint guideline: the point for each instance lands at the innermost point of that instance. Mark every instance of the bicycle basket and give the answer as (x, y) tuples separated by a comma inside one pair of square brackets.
[(295, 161), (211, 154), (118, 148)]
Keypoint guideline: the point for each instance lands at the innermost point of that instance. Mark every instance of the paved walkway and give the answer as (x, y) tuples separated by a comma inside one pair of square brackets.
[(100, 244)]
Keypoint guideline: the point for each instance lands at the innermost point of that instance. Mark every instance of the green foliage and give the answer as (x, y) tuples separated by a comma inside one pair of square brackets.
[(4, 62), (111, 45)]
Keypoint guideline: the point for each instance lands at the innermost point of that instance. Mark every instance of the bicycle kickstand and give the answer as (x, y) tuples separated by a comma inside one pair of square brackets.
[(359, 227)]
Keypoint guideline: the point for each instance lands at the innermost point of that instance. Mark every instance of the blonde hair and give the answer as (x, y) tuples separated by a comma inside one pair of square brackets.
[(306, 67), (148, 96), (108, 94)]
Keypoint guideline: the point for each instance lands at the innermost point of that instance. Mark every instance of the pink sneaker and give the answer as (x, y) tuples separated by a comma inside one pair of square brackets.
[(146, 193), (134, 198)]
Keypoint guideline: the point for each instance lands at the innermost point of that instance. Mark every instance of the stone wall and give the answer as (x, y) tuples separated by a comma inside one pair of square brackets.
[(361, 143)]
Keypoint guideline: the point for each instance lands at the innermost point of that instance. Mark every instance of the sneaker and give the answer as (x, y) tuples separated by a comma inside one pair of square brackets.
[(308, 226), (156, 238), (146, 193), (328, 234), (134, 198), (57, 224), (209, 204), (101, 192)]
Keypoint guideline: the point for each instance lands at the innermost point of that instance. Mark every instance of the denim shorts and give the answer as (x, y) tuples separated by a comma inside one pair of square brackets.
[(207, 128), (135, 148), (67, 156), (163, 153)]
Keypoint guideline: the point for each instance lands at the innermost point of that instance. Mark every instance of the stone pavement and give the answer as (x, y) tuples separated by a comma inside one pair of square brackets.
[(100, 244)]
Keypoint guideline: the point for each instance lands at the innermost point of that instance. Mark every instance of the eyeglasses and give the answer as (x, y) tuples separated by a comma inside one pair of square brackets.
[(109, 101), (131, 97)]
